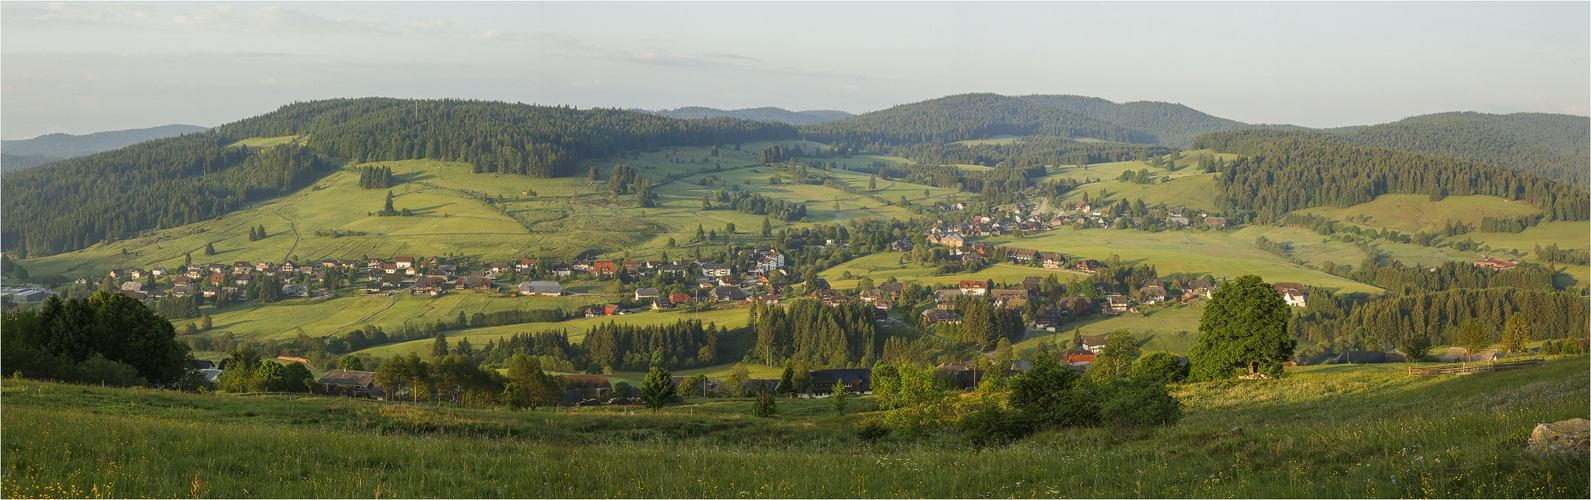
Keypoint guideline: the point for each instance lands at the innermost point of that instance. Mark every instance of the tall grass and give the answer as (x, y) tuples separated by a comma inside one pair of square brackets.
[(1350, 431)]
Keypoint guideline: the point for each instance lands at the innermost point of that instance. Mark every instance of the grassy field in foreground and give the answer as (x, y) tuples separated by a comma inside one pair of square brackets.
[(1330, 431)]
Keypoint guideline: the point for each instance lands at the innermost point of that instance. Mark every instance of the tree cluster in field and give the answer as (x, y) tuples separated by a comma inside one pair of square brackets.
[(1437, 315), (456, 379), (375, 177), (257, 233), (496, 137), (1396, 275), (777, 153), (991, 184), (1030, 150), (388, 210), (1287, 171), (106, 338), (1051, 395), (757, 204), (808, 332), (1280, 249), (75, 203), (983, 324), (1509, 224), (1551, 254), (965, 117), (245, 371), (173, 307), (683, 344)]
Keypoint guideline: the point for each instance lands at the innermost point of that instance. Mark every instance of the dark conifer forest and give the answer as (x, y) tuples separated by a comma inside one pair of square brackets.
[(1286, 171)]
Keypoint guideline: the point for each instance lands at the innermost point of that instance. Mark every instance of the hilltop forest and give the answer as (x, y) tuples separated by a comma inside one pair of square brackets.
[(75, 203)]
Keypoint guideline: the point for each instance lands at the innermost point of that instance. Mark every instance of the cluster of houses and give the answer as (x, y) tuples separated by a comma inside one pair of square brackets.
[(1079, 214), (207, 280)]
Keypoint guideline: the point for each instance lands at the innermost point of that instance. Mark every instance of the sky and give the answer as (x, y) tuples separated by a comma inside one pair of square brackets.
[(78, 67)]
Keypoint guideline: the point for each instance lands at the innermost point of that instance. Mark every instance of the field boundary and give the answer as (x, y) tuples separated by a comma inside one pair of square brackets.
[(1473, 368)]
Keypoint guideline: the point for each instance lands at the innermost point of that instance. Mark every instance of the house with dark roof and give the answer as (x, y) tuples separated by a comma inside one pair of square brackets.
[(936, 316), (894, 288), (350, 383), (855, 380)]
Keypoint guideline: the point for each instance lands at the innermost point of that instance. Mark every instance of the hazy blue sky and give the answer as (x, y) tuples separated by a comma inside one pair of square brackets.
[(87, 67)]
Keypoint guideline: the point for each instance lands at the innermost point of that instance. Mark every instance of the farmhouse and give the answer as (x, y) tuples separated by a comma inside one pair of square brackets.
[(1094, 343), (349, 383), (541, 288), (1021, 254), (1292, 293), (645, 293), (974, 287), (1001, 297), (1119, 303), (935, 316), (1495, 264), (858, 380)]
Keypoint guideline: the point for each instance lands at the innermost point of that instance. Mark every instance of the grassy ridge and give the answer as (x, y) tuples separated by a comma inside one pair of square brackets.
[(1331, 431)]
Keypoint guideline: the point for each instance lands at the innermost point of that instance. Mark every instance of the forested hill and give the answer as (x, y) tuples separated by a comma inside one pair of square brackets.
[(1549, 145), (965, 117), (539, 141), (55, 147), (1169, 124), (780, 115), (1286, 171), (74, 203)]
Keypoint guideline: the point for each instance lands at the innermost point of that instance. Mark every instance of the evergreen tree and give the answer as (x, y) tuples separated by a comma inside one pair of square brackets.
[(209, 249), (658, 388), (787, 379), (1516, 333), (439, 347), (767, 229), (839, 396)]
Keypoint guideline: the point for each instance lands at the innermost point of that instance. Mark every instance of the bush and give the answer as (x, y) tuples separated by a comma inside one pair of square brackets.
[(1160, 366), (98, 370), (872, 429), (1138, 402), (1055, 395), (990, 425)]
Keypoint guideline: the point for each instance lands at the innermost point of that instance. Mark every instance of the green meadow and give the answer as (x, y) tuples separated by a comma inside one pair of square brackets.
[(1350, 431)]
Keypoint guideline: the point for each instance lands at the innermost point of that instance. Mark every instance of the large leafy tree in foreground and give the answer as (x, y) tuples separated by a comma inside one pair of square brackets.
[(1245, 323)]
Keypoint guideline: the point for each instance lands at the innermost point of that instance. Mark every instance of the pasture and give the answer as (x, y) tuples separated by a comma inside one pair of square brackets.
[(1351, 431)]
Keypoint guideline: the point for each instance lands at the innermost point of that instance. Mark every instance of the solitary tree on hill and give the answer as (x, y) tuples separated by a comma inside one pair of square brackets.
[(1243, 324)]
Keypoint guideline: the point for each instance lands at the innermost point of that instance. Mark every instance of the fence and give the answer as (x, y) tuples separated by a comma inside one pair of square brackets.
[(1472, 368)]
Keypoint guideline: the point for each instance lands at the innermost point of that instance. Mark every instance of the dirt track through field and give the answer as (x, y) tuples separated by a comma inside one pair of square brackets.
[(296, 237), (392, 298)]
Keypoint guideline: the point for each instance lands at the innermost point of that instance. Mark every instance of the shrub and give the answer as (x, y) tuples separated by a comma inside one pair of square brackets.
[(872, 429), (1138, 402), (1159, 366), (990, 425), (1055, 395), (98, 370)]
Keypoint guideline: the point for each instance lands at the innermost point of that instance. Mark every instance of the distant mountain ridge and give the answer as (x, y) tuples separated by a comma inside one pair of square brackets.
[(967, 117), (1170, 123), (47, 148), (767, 114)]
